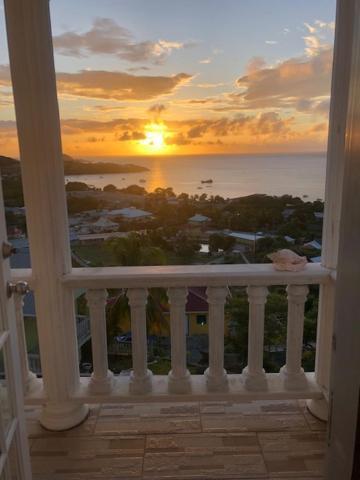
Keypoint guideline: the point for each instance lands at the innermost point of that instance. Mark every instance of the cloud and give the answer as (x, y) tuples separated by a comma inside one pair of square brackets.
[(316, 40), (317, 106), (157, 109), (95, 139), (178, 139), (205, 61), (5, 79), (104, 108), (288, 81), (108, 37), (118, 85), (271, 42), (210, 85), (129, 136), (254, 64)]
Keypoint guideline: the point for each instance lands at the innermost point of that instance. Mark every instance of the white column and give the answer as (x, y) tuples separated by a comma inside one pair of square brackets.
[(38, 124), (179, 376), (140, 378), (29, 378), (216, 377), (343, 47), (293, 373), (101, 378), (255, 378)]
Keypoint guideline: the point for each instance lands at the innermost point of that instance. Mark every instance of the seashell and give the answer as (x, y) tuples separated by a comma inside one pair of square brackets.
[(287, 260)]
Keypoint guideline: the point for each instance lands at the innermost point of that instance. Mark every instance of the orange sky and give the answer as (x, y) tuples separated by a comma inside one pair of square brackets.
[(129, 87)]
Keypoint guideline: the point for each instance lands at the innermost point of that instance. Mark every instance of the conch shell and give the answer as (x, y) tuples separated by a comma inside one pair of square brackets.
[(287, 260)]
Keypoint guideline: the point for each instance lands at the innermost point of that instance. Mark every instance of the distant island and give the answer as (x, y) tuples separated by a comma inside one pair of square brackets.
[(73, 166)]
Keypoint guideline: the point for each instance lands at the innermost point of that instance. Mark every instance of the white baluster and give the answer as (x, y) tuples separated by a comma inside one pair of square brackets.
[(216, 374), (255, 378), (101, 378), (294, 376), (140, 378), (179, 376), (29, 378)]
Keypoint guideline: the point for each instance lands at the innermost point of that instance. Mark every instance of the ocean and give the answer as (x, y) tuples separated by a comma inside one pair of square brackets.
[(233, 176)]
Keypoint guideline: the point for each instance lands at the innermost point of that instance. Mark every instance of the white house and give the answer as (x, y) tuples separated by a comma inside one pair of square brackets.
[(313, 244), (246, 237), (103, 225), (289, 239), (198, 219)]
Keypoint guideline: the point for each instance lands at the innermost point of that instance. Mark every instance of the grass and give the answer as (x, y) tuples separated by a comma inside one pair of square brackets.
[(97, 255)]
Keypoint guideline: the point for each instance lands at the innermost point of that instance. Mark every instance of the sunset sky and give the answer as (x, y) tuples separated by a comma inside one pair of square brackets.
[(142, 77)]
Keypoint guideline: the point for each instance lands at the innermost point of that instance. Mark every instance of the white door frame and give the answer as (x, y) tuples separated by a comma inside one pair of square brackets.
[(345, 366)]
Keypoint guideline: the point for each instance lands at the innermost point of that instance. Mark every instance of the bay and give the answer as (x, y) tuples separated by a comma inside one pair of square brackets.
[(233, 176)]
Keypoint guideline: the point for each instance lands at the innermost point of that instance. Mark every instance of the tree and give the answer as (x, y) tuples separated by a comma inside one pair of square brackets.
[(186, 247), (77, 187), (215, 242), (82, 204), (110, 188), (134, 190), (136, 250)]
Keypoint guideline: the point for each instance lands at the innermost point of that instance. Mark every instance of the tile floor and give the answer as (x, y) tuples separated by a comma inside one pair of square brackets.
[(206, 440)]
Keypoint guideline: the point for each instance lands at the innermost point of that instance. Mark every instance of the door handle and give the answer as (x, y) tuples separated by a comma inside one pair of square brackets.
[(22, 288)]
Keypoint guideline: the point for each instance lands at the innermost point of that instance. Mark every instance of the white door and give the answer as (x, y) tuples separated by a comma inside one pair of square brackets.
[(14, 450)]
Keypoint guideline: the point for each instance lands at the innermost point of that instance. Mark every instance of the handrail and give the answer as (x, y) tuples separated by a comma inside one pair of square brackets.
[(254, 382), (193, 275)]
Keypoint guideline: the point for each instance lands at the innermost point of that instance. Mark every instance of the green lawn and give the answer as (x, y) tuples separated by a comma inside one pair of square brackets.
[(97, 255)]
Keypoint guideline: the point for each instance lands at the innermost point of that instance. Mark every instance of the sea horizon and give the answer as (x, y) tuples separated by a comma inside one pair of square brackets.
[(232, 175)]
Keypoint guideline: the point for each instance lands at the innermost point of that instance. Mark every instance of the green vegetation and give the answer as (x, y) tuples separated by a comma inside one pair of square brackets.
[(237, 312), (168, 238)]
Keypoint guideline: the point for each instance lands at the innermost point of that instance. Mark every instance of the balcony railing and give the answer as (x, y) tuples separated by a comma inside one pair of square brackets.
[(253, 382)]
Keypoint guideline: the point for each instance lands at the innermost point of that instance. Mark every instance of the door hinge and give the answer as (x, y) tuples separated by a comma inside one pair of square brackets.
[(8, 250)]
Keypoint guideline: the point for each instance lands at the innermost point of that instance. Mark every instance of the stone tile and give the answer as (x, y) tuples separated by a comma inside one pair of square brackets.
[(94, 457), (300, 453), (118, 425), (205, 456), (292, 442), (149, 418), (173, 409), (255, 407), (203, 442), (237, 437), (253, 423), (314, 423)]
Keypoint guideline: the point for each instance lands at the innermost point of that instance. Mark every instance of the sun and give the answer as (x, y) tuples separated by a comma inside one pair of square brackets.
[(154, 140)]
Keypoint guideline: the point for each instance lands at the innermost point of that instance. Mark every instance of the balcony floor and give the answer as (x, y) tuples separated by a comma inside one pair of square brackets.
[(206, 440)]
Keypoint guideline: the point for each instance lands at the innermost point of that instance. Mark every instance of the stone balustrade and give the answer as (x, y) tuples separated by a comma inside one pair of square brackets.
[(290, 382)]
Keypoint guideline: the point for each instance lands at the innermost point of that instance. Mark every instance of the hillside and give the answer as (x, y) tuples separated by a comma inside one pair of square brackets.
[(76, 167)]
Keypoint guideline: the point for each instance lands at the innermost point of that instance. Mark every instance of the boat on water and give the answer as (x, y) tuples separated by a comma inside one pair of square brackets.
[(210, 180)]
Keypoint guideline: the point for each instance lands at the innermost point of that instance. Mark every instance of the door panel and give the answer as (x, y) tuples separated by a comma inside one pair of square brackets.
[(14, 450)]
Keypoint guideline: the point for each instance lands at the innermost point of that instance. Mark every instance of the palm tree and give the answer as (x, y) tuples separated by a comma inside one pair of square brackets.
[(136, 250)]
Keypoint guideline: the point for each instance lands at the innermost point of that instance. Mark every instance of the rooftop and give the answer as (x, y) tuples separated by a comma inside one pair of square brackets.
[(202, 440), (198, 218), (249, 236), (129, 212)]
